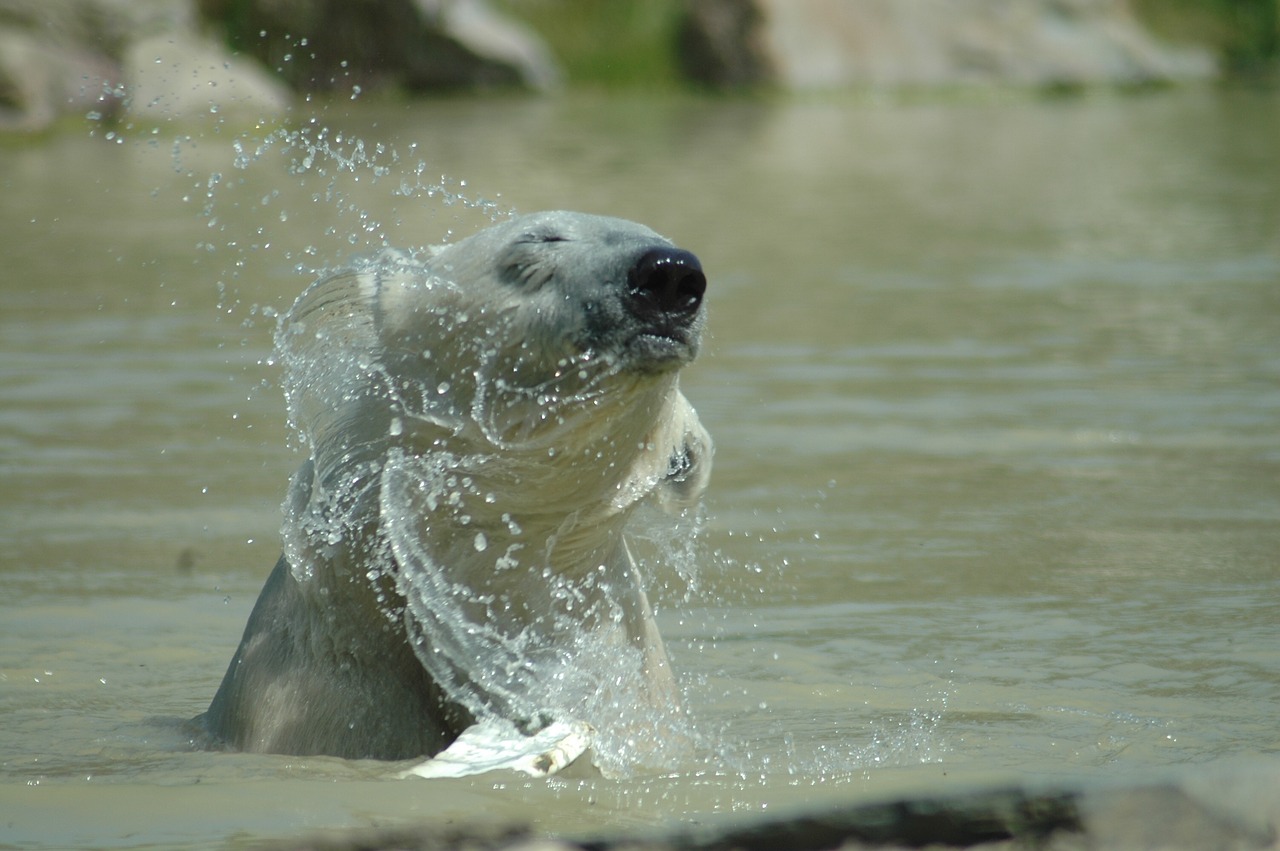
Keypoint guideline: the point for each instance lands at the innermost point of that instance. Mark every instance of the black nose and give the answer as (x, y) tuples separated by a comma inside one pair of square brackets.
[(666, 281)]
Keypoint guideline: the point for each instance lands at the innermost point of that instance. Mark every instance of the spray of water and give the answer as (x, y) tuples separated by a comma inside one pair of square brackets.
[(487, 472), (295, 202)]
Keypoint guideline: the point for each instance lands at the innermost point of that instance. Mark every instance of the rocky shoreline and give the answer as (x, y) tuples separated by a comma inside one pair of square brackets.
[(174, 60)]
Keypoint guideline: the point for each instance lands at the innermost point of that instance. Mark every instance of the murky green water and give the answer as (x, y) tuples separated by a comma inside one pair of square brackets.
[(996, 390)]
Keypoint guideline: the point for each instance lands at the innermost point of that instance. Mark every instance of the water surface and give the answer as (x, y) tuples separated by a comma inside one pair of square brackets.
[(995, 386)]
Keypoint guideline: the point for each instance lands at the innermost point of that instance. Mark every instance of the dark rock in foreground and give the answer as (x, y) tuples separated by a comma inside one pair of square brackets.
[(1238, 810)]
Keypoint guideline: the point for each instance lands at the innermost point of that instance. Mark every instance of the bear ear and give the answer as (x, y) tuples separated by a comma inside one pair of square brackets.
[(335, 310), (347, 310), (330, 346), (361, 347), (324, 344)]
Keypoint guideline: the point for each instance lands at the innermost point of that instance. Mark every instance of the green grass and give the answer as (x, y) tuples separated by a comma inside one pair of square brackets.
[(1244, 33), (607, 43)]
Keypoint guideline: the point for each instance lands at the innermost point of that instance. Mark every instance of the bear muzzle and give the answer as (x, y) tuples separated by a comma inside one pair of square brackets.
[(666, 285), (664, 294)]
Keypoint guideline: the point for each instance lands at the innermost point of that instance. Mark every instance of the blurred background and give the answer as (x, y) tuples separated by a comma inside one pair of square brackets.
[(58, 55)]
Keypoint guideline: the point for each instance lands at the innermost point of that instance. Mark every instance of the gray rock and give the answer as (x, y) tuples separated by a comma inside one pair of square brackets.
[(119, 60), (816, 44), (157, 61), (180, 76), (42, 78), (414, 45), (722, 43), (475, 24)]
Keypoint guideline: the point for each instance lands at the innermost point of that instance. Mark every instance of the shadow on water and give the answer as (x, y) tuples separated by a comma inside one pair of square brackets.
[(992, 385)]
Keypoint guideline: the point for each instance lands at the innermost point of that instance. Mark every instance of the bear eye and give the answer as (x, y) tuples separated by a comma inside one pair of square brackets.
[(541, 237)]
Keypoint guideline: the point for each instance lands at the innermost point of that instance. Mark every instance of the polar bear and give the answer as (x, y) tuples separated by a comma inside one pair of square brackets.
[(482, 419)]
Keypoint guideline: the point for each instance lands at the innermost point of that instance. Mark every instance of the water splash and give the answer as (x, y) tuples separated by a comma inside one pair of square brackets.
[(280, 204), (299, 200), (488, 481)]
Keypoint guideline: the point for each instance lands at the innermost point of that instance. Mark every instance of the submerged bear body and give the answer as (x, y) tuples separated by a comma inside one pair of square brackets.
[(481, 421)]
